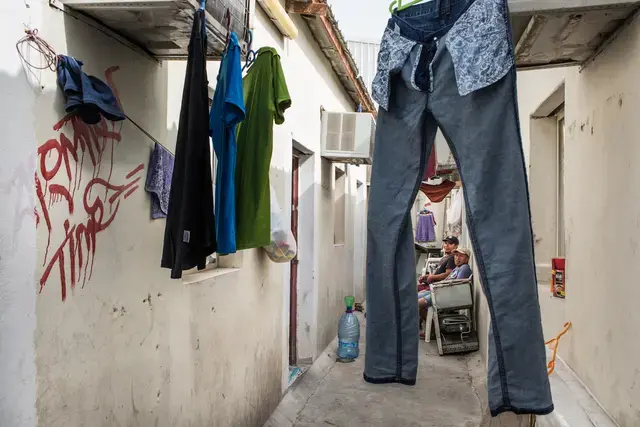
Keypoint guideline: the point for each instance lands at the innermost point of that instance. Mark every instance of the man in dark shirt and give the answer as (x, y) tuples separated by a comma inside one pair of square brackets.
[(447, 263), (446, 266)]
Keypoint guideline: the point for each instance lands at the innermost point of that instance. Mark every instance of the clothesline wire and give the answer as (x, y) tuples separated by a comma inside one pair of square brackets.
[(102, 30), (51, 61), (147, 134)]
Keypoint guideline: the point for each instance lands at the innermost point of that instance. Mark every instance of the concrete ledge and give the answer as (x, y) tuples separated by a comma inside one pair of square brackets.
[(478, 372), (299, 393), (204, 275), (574, 404)]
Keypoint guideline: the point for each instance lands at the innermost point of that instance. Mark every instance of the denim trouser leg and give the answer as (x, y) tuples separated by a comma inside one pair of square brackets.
[(392, 308), (482, 129)]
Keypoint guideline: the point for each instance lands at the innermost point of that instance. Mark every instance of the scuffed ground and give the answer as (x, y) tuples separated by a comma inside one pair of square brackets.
[(334, 394)]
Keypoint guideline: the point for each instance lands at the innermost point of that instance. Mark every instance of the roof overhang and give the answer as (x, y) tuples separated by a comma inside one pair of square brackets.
[(324, 28), (547, 33), (162, 28), (553, 33)]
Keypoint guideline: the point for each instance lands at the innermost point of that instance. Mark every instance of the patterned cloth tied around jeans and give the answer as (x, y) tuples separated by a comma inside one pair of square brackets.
[(450, 64)]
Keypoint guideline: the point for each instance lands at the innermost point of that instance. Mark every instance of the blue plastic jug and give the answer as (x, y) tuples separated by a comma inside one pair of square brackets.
[(348, 333)]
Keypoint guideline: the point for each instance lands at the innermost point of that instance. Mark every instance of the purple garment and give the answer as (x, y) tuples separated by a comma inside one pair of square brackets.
[(158, 183), (426, 230)]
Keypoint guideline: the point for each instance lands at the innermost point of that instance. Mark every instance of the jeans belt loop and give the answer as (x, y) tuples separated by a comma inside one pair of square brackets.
[(444, 8), (438, 4)]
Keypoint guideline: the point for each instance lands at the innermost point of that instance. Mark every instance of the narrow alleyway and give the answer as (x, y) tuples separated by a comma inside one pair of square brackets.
[(334, 394)]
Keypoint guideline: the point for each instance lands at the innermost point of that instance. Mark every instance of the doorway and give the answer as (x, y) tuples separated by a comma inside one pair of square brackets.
[(293, 285), (299, 325)]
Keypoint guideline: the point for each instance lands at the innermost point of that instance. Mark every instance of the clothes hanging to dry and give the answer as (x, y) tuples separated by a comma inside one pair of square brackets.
[(437, 193), (266, 98), (86, 96), (425, 228), (227, 110), (158, 183), (190, 229)]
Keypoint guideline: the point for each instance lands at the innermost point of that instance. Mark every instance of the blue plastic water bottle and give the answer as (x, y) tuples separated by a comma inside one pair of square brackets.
[(348, 333)]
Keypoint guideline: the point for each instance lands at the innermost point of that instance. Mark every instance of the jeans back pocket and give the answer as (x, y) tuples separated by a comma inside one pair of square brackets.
[(480, 46), (394, 52)]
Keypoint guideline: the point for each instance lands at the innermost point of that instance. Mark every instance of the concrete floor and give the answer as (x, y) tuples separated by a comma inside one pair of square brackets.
[(334, 394)]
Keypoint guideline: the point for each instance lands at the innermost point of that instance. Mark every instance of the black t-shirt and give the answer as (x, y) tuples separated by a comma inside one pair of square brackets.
[(190, 228), (447, 263)]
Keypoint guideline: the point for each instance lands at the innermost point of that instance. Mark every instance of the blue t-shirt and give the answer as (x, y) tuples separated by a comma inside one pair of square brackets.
[(227, 110), (459, 273)]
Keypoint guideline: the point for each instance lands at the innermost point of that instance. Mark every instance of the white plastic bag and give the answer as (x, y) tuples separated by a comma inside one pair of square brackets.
[(283, 247), (454, 214)]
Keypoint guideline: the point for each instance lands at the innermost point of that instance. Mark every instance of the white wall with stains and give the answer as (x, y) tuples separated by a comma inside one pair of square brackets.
[(602, 217), (106, 338), (17, 227)]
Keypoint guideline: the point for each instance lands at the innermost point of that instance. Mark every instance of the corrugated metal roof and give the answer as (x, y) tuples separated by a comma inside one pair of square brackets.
[(366, 56)]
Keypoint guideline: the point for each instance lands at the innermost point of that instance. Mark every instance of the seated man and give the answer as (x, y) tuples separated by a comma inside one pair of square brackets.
[(445, 267), (462, 271)]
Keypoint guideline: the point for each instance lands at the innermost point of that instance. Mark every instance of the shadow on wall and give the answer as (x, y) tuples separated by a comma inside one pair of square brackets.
[(335, 279), (17, 251)]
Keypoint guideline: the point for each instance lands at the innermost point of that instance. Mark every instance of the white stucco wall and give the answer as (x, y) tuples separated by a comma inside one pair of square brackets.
[(17, 227), (128, 345), (602, 217), (533, 88)]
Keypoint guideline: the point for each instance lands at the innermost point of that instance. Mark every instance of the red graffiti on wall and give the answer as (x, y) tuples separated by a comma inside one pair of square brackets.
[(62, 160)]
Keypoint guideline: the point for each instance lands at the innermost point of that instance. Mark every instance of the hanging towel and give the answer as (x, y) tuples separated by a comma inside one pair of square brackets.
[(86, 96), (158, 183)]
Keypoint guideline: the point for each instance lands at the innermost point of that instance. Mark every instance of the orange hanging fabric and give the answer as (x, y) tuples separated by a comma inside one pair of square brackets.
[(437, 193)]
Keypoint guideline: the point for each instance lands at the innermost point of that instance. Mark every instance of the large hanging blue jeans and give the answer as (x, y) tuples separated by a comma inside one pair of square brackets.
[(449, 64)]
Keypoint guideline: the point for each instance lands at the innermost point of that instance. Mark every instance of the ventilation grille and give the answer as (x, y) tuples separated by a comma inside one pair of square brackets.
[(347, 137)]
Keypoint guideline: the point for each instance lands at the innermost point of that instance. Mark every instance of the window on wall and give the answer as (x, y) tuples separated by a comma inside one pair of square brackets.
[(560, 246), (339, 206)]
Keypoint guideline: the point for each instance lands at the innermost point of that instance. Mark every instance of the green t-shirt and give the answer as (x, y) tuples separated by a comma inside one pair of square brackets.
[(266, 97)]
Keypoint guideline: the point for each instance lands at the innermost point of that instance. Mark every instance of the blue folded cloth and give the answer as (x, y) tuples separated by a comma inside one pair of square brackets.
[(158, 184), (86, 96)]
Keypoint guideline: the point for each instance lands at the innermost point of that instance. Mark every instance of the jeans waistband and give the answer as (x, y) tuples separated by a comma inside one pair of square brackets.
[(423, 22)]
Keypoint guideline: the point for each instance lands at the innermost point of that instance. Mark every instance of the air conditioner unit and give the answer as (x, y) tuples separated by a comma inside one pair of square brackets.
[(348, 137)]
